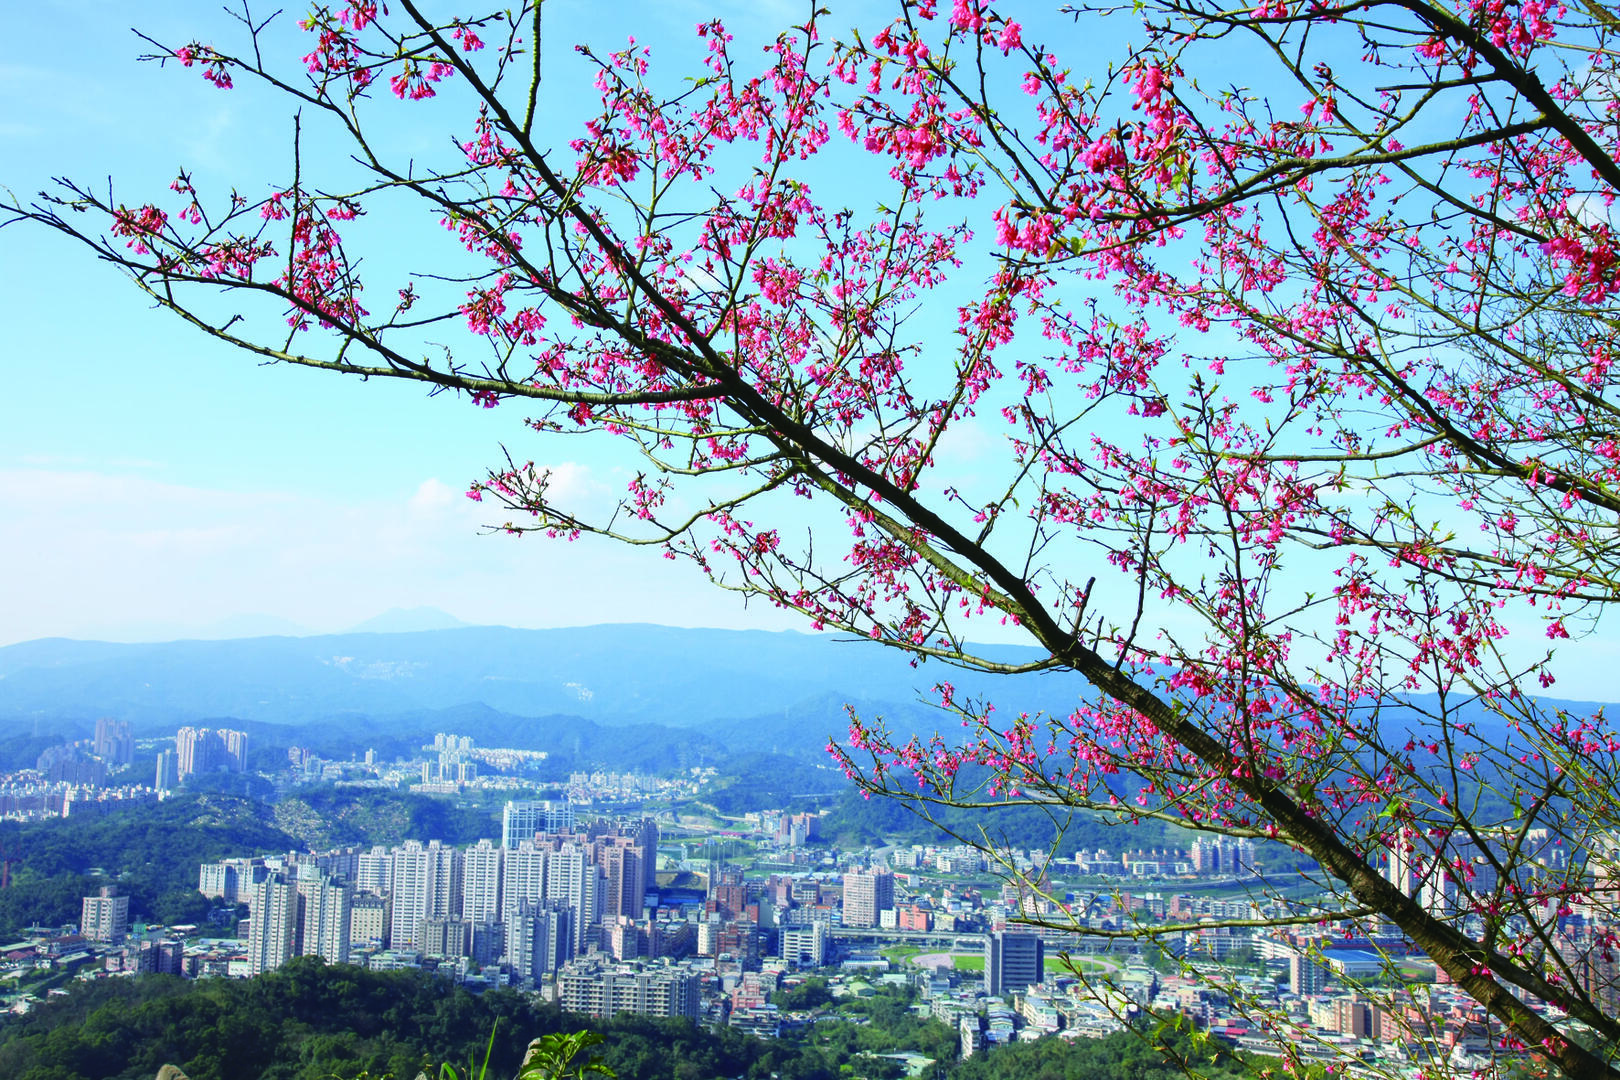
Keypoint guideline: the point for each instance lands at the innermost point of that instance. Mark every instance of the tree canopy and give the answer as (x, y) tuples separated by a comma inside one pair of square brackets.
[(313, 1021)]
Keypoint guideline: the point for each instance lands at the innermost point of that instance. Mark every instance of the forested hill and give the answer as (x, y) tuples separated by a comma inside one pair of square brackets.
[(152, 851), (311, 1021)]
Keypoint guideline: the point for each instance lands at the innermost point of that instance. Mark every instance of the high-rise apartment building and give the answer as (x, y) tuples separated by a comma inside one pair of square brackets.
[(105, 916), (557, 870), (1306, 974), (487, 943), (368, 922), (619, 859), (115, 742), (161, 957), (644, 831), (168, 771), (523, 819), (204, 750), (454, 763), (621, 937), (412, 887), (446, 939), (273, 923), (326, 908), (71, 763), (481, 883), (233, 748), (231, 880), (191, 747), (805, 946), (642, 834), (215, 880), (523, 877), (343, 863), (1401, 868), (728, 892), (867, 894), (374, 871), (574, 879), (539, 940), (426, 885)]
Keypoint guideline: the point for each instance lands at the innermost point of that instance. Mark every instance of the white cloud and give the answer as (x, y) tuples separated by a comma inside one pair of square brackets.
[(104, 554), (571, 484), (433, 497)]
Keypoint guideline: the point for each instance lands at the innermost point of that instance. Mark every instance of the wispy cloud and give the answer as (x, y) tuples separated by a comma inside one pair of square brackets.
[(98, 553)]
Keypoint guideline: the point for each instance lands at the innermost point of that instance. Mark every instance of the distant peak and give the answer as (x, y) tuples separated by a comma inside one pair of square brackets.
[(408, 620)]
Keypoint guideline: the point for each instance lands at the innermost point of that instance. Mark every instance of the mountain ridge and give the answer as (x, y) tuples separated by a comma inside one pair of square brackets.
[(753, 690), (610, 673)]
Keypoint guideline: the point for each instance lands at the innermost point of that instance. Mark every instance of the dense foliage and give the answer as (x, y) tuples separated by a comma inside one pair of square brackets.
[(323, 817), (859, 819), (1124, 1055), (880, 1025), (311, 1021), (22, 751), (809, 994), (307, 1021), (150, 851), (760, 781)]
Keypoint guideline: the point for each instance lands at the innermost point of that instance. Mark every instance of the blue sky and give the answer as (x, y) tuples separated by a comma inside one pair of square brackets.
[(152, 484)]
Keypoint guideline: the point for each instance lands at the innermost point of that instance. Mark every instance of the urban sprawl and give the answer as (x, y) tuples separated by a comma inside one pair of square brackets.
[(607, 909)]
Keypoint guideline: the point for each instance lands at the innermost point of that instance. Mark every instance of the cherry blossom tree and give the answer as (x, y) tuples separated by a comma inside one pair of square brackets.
[(1258, 370)]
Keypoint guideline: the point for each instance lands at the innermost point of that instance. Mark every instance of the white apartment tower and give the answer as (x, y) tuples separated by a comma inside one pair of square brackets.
[(522, 819), (481, 883), (374, 872), (326, 906), (803, 946), (573, 879), (168, 771), (447, 882), (273, 925), (523, 878), (105, 916), (426, 885)]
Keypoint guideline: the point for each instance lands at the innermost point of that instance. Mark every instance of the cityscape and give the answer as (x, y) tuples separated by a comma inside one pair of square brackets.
[(603, 907)]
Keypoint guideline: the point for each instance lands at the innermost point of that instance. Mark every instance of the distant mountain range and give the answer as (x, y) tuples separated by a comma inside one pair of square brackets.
[(753, 690), (726, 691), (408, 620)]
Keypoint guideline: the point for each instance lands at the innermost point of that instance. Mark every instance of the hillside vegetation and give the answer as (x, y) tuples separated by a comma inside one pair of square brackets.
[(312, 1021)]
